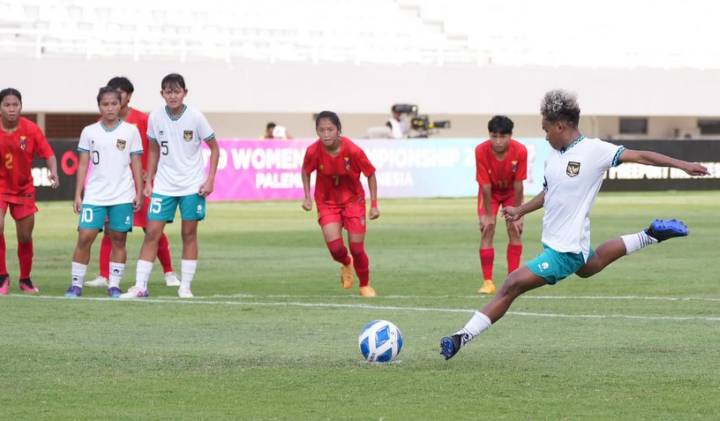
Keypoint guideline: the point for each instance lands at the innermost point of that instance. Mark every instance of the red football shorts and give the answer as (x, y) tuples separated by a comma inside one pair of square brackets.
[(140, 217), (18, 211), (351, 217), (495, 202)]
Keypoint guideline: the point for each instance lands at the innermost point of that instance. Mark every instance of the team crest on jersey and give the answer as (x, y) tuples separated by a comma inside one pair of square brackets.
[(322, 167), (120, 144), (513, 165), (188, 135), (23, 142), (347, 163), (573, 169)]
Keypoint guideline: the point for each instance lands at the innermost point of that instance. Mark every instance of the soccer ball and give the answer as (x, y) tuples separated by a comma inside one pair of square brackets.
[(380, 341)]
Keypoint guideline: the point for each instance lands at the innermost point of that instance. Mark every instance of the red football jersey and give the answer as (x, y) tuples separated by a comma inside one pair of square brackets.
[(140, 120), (338, 178), (501, 174), (18, 151)]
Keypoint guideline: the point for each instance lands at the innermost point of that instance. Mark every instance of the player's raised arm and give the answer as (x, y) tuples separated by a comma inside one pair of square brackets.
[(659, 160)]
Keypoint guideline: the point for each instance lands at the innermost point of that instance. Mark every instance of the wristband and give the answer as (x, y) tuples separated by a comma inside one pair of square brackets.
[(373, 204)]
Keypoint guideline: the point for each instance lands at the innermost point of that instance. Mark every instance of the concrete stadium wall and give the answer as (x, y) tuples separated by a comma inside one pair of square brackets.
[(239, 98), (67, 85)]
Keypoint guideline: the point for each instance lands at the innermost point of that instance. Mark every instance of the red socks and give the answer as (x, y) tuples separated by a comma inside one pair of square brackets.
[(163, 254), (487, 256), (361, 263), (514, 253), (105, 250), (25, 256), (338, 251), (3, 264)]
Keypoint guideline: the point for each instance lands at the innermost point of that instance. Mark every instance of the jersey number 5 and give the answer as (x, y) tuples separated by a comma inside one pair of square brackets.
[(164, 147), (8, 161)]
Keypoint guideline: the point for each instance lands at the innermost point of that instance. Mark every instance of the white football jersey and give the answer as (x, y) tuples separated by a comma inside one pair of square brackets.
[(110, 181), (180, 170), (572, 181)]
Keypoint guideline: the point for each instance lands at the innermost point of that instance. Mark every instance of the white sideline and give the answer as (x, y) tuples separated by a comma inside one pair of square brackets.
[(175, 300), (524, 297)]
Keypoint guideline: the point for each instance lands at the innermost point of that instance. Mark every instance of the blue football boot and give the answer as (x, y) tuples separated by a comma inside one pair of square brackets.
[(665, 229)]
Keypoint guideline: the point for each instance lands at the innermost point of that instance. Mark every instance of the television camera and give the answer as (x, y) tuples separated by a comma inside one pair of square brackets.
[(420, 125)]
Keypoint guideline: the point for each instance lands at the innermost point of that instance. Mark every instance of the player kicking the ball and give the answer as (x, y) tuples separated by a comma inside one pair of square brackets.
[(113, 191), (573, 174)]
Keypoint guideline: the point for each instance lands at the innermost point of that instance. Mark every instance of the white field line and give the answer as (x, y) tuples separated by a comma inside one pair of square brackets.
[(524, 297), (369, 307)]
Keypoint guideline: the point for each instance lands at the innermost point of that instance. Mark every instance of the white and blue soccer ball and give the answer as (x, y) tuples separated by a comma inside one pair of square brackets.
[(380, 341)]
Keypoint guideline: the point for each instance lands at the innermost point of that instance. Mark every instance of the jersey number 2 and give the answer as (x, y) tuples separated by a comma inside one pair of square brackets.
[(8, 161)]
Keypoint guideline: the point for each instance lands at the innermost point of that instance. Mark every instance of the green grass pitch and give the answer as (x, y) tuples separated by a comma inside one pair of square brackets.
[(271, 335)]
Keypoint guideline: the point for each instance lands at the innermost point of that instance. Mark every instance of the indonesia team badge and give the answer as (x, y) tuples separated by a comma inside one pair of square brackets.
[(347, 163), (513, 165), (573, 169), (23, 142), (188, 135), (120, 144)]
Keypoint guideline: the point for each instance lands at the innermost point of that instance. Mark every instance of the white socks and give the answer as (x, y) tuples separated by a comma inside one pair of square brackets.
[(478, 324), (634, 242), (116, 273), (188, 268), (144, 268), (142, 274), (78, 273)]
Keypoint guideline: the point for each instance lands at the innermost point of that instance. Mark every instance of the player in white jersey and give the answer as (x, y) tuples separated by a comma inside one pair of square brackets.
[(175, 163), (113, 146), (573, 175)]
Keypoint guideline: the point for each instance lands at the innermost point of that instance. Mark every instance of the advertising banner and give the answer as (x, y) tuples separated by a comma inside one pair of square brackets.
[(410, 168)]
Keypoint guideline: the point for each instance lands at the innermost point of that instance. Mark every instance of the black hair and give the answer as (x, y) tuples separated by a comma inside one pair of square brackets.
[(334, 119), (500, 124), (108, 90), (122, 83), (270, 125), (173, 79), (10, 91)]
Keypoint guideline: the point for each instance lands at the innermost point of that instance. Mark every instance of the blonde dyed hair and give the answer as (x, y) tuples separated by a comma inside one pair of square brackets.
[(560, 105)]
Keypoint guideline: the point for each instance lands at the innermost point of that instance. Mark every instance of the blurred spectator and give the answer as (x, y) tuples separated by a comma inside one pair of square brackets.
[(397, 125), (273, 131)]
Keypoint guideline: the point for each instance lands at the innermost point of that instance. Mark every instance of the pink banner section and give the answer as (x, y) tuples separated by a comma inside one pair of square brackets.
[(258, 169)]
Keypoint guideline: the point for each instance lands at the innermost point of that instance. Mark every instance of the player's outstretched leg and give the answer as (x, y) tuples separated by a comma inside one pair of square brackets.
[(517, 283)]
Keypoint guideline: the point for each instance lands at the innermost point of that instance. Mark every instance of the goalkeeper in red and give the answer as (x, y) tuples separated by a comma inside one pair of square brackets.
[(340, 197), (501, 164)]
